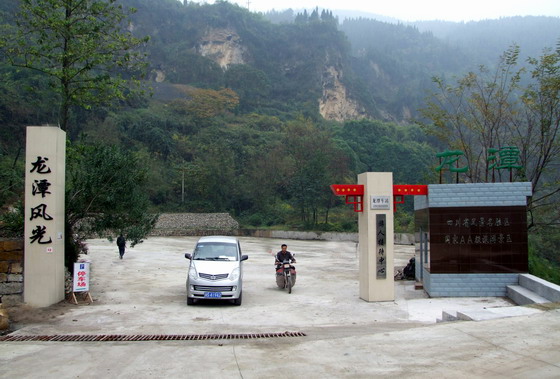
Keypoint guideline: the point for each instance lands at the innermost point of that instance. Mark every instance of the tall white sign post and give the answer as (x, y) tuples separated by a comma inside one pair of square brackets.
[(376, 244), (44, 215)]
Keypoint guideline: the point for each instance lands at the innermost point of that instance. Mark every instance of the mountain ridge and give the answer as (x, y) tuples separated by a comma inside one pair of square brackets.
[(339, 71)]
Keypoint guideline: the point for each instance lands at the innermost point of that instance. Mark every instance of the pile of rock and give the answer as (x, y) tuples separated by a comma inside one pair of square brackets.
[(192, 224)]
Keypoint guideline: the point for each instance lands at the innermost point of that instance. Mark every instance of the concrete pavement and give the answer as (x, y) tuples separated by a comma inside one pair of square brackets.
[(345, 336)]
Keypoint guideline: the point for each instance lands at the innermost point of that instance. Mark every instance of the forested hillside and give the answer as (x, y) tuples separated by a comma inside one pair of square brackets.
[(275, 69), (258, 118), (396, 63), (483, 38)]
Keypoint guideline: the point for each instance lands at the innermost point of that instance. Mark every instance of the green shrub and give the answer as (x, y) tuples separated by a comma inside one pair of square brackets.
[(339, 227), (261, 219), (12, 222), (543, 268), (403, 222)]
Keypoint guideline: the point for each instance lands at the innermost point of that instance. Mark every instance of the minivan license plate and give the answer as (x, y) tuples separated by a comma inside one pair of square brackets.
[(212, 295)]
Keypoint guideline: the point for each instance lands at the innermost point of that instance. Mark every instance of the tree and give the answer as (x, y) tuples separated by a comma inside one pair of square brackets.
[(80, 45), (250, 84), (314, 164), (104, 196), (538, 133), (494, 110), (207, 103), (474, 115), (203, 106), (508, 110)]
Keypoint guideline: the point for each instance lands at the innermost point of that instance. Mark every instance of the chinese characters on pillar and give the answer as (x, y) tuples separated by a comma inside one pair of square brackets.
[(40, 233), (380, 202), (381, 245)]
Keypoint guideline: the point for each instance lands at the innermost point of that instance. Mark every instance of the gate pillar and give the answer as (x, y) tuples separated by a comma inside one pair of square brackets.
[(376, 244), (44, 215)]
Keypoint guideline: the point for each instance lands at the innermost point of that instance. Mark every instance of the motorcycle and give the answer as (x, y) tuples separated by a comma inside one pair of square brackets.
[(285, 275)]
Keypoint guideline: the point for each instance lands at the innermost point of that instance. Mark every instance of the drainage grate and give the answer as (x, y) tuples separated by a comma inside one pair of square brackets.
[(145, 337)]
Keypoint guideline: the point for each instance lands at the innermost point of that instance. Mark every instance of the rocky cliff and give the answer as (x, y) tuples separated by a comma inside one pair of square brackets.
[(335, 103), (223, 46)]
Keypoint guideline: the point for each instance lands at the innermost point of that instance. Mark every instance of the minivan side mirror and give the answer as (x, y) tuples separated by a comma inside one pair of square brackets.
[(188, 256), (244, 257)]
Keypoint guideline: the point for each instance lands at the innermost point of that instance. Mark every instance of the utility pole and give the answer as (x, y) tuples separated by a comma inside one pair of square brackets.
[(183, 188), (182, 169), (248, 3)]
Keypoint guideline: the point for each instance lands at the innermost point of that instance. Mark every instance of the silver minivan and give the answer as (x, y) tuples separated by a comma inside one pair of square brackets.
[(215, 270)]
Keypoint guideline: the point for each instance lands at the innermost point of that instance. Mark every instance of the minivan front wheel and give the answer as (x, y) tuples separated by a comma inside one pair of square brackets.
[(190, 301), (238, 300)]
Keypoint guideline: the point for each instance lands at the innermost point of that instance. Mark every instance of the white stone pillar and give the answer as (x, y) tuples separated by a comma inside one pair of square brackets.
[(44, 215), (376, 243)]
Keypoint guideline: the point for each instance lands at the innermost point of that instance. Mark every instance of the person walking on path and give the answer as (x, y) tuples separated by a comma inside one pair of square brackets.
[(121, 243)]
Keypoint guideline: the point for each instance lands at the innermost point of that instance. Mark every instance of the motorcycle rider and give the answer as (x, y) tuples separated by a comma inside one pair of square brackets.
[(281, 256), (284, 255)]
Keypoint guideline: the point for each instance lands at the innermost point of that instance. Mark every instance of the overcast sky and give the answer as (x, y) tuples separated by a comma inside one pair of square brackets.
[(411, 10)]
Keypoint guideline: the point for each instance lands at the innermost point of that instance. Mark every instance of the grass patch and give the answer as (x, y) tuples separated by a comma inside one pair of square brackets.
[(543, 268)]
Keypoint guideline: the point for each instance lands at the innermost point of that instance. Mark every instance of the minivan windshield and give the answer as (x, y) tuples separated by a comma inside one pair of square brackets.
[(215, 251)]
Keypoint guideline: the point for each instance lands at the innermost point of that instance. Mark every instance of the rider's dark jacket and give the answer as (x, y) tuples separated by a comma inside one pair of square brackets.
[(287, 256)]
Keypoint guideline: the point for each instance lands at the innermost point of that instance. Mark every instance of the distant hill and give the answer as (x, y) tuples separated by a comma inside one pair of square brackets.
[(339, 64), (484, 39), (257, 114), (288, 15)]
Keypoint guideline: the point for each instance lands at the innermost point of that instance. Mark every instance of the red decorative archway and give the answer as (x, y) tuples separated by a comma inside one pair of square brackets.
[(355, 193)]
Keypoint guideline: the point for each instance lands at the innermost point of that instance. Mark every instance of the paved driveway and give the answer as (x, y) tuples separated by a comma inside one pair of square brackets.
[(144, 294)]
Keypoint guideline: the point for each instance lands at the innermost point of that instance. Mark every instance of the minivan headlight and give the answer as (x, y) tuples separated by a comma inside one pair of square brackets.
[(193, 275), (234, 274)]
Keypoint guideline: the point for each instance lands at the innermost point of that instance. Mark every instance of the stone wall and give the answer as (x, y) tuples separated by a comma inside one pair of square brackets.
[(468, 285), (11, 271), (205, 224), (399, 238), (195, 224), (297, 235)]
